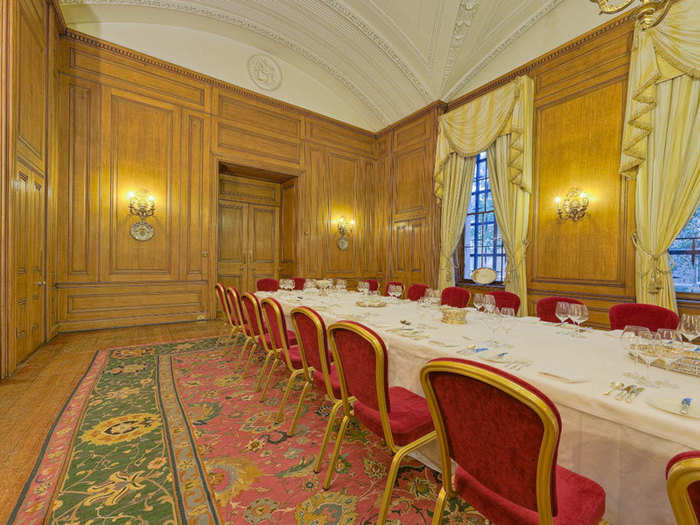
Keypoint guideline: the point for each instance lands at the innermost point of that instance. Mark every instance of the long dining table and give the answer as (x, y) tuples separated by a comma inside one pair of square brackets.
[(623, 446)]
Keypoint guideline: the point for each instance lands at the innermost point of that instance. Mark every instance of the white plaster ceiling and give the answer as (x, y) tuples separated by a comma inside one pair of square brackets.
[(380, 60)]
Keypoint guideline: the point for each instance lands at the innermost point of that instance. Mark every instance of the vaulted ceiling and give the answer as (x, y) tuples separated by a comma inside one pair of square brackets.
[(379, 59)]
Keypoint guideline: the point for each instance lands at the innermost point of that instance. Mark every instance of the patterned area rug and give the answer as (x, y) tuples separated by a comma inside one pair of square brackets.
[(171, 433)]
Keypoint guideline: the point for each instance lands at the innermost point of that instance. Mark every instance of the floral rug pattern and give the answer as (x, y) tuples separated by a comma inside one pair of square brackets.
[(172, 433)]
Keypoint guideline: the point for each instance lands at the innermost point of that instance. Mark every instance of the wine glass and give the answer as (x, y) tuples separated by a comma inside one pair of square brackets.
[(287, 285), (562, 312), (578, 313), (489, 303), (665, 349), (363, 287), (395, 291), (688, 327), (341, 284), (478, 301)]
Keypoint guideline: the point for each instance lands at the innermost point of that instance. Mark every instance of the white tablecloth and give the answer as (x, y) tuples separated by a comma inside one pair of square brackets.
[(622, 446)]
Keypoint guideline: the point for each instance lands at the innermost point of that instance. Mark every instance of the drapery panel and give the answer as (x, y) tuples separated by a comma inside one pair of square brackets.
[(511, 205), (464, 133), (660, 146), (458, 174)]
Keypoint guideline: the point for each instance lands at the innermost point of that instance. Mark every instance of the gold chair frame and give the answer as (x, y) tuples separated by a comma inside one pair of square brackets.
[(221, 293), (681, 475), (549, 439), (237, 328), (251, 323), (398, 451)]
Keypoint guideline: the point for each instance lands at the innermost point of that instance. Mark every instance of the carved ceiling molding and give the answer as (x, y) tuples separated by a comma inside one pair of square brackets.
[(215, 14), (463, 22), (522, 28), (382, 44)]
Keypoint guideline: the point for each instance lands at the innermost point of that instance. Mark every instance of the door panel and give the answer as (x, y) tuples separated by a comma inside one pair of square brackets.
[(263, 230), (233, 243)]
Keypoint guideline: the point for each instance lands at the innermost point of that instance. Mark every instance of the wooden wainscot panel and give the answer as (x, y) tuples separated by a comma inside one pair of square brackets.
[(78, 190), (340, 136), (341, 190), (288, 227), (413, 132), (258, 116), (578, 144), (598, 305), (101, 306), (30, 82), (141, 150), (257, 149), (195, 196), (121, 68), (409, 182), (248, 190), (408, 249), (311, 218)]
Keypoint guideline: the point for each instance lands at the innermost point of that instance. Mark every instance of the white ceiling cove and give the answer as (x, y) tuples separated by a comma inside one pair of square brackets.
[(368, 62)]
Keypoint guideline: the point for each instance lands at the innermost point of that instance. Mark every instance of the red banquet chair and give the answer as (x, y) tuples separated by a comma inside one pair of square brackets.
[(455, 296), (313, 346), (505, 447), (416, 291), (228, 315), (638, 314), (506, 300), (299, 283), (398, 415), (268, 285), (233, 301), (390, 283), (373, 284), (547, 306), (683, 487)]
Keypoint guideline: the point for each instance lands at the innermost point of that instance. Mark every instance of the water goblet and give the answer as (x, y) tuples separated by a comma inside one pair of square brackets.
[(363, 287), (688, 327), (478, 301), (578, 313), (561, 311), (489, 304)]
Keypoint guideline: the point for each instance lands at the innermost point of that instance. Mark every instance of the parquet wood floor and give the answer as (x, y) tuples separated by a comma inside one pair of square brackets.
[(32, 397)]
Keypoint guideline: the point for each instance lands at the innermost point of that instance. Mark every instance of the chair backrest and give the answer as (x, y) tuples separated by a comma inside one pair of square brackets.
[(361, 361), (373, 284), (268, 285), (233, 299), (312, 339), (546, 307), (683, 487), (299, 283), (416, 291), (506, 300), (455, 296), (276, 323), (390, 283), (638, 314), (253, 314), (221, 294), (509, 426)]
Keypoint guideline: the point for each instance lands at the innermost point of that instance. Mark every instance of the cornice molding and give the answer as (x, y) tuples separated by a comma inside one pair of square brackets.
[(463, 21), (437, 104), (522, 28), (624, 19), (179, 70), (239, 21)]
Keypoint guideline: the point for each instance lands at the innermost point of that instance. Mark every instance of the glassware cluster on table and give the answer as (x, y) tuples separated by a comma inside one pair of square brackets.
[(574, 312)]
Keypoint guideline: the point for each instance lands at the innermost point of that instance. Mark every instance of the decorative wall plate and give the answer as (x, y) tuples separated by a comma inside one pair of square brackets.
[(264, 72), (343, 243), (484, 275), (142, 231)]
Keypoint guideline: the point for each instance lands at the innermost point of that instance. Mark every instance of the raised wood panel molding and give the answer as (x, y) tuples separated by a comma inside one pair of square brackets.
[(249, 190), (339, 136), (258, 117), (413, 132), (411, 182), (140, 151), (289, 229)]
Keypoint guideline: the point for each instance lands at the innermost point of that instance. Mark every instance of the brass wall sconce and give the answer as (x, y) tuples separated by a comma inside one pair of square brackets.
[(344, 229), (573, 206), (143, 205), (650, 13)]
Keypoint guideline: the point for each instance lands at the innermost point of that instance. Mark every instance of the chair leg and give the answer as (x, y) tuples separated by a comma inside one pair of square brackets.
[(307, 384), (439, 506), (269, 378), (258, 384), (251, 351), (336, 451), (390, 482), (327, 435), (287, 390), (247, 342)]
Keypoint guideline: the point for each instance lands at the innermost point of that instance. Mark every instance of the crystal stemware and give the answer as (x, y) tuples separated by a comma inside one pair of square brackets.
[(489, 303), (478, 301), (578, 313), (688, 327), (561, 311)]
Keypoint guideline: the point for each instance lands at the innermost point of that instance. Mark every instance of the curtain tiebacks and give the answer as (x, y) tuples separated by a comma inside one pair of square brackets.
[(512, 271), (656, 275)]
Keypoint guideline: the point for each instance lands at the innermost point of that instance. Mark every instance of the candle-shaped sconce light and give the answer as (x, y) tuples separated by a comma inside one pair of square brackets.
[(344, 230), (573, 206), (142, 204)]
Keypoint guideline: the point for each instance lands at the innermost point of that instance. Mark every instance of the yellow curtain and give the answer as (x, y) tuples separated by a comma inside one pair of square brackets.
[(512, 208), (660, 146), (458, 174)]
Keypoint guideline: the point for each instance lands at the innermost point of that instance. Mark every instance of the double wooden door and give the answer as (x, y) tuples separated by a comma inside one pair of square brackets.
[(248, 244)]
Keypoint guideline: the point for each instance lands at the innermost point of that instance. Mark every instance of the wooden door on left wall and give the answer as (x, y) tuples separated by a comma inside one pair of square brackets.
[(28, 253)]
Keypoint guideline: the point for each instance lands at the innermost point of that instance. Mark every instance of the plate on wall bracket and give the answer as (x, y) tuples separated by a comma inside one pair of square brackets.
[(484, 275), (142, 231), (343, 243)]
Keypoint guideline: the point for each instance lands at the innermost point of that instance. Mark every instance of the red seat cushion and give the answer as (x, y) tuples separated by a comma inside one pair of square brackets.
[(409, 418), (291, 339), (580, 500), (333, 376)]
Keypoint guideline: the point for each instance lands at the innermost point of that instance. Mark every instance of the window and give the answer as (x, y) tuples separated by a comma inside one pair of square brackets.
[(483, 245), (685, 252)]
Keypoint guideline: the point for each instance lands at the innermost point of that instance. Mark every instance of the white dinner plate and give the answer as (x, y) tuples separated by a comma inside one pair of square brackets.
[(673, 405)]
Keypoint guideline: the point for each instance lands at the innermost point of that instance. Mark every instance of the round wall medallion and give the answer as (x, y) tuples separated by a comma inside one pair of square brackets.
[(264, 72), (343, 243), (142, 231), (484, 275)]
